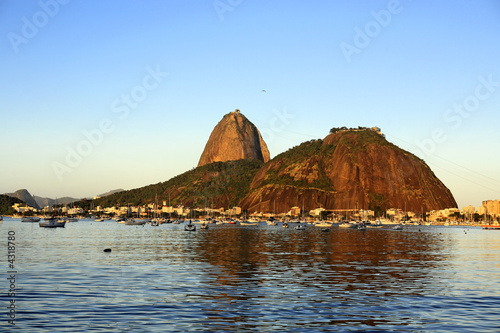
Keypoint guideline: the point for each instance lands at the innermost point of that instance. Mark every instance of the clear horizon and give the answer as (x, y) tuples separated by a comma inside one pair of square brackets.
[(122, 94)]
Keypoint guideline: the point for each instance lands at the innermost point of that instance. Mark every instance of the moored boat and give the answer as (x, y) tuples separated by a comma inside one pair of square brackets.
[(134, 222), (190, 226), (494, 226), (30, 219), (52, 223), (348, 225)]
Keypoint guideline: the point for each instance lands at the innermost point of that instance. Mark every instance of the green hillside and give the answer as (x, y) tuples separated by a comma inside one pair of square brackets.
[(6, 203), (222, 184)]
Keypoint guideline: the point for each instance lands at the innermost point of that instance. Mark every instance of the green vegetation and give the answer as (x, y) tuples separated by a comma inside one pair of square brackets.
[(302, 157), (222, 183), (6, 203)]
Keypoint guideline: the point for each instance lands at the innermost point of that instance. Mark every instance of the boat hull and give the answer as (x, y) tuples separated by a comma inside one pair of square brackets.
[(490, 226), (52, 224)]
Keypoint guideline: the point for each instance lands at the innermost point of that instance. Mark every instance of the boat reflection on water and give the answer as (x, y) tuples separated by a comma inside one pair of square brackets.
[(384, 261)]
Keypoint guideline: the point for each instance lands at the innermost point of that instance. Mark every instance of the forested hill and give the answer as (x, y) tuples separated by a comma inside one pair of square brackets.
[(6, 202), (219, 184)]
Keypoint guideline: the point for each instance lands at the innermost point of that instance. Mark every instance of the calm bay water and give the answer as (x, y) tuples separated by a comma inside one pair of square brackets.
[(236, 278)]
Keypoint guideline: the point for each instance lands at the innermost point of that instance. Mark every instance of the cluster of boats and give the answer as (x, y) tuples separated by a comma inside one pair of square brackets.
[(190, 224)]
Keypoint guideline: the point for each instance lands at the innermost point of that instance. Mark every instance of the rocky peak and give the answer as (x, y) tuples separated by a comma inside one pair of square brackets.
[(349, 168), (234, 138)]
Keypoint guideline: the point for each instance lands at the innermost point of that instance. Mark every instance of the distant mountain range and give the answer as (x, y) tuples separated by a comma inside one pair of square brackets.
[(41, 202)]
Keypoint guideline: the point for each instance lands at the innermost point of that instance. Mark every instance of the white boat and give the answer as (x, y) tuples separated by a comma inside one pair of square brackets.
[(204, 226), (348, 225), (397, 227), (322, 224), (30, 219), (300, 227), (272, 222), (72, 219), (155, 222), (246, 223), (52, 223), (374, 226), (361, 226), (134, 222)]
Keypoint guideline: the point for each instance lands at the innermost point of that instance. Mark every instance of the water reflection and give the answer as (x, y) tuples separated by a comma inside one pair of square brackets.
[(341, 277), (255, 279)]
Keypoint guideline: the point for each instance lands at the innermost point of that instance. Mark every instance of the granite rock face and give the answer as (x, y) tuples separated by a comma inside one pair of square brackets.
[(345, 170), (234, 138)]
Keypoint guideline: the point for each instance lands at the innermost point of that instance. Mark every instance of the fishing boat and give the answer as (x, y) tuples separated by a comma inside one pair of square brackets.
[(204, 226), (52, 222)]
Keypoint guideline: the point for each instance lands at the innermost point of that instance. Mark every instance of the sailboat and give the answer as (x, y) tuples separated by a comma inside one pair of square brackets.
[(190, 226), (155, 222), (488, 225)]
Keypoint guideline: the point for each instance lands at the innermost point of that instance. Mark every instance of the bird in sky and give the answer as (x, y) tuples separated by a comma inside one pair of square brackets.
[(263, 90)]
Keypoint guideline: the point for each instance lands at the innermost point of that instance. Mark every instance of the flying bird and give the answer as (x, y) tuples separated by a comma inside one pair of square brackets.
[(263, 90)]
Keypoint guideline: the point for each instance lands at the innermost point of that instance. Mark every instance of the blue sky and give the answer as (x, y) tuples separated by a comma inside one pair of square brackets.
[(134, 88)]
